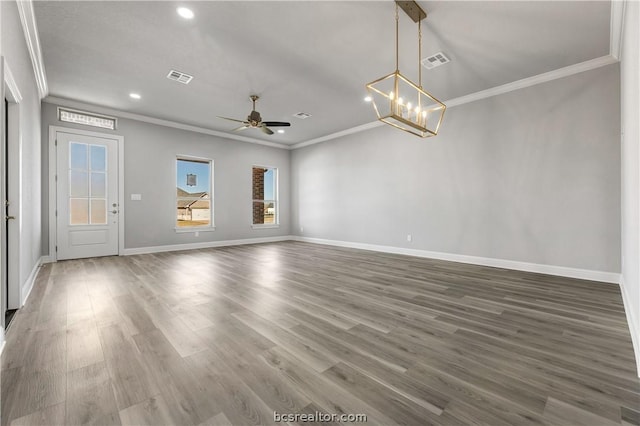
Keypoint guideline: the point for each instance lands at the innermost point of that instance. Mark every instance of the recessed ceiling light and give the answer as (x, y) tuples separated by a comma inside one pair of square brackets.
[(134, 96), (367, 99), (280, 131), (185, 13)]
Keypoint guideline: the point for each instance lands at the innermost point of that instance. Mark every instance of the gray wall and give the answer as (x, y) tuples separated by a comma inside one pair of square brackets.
[(150, 153), (630, 76), (532, 175), (27, 207)]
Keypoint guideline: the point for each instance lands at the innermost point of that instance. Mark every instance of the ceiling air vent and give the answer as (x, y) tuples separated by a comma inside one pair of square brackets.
[(435, 60), (302, 115), (179, 77)]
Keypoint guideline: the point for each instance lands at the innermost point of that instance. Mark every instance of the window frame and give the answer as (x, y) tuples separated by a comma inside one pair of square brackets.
[(89, 197), (201, 228), (276, 201), (89, 115)]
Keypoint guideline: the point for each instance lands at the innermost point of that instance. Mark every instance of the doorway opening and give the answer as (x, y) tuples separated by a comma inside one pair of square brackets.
[(9, 312), (10, 149), (86, 194)]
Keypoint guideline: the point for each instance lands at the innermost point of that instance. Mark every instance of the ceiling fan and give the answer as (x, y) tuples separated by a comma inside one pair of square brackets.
[(255, 121)]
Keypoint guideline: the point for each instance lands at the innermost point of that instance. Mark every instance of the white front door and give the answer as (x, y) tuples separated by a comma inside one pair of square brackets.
[(87, 196)]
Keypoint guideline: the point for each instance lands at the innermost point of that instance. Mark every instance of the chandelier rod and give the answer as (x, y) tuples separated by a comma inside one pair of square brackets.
[(397, 20), (419, 53)]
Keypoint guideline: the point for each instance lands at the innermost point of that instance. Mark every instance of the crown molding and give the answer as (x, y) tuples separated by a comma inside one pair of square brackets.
[(615, 27), (10, 82), (69, 103), (535, 80), (483, 94), (30, 29), (341, 133)]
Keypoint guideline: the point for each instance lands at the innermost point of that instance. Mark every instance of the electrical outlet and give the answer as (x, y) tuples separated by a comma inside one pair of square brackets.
[(301, 229), (196, 234), (409, 237)]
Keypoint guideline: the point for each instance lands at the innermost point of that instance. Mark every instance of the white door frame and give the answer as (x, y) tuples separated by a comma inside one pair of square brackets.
[(12, 93), (53, 187)]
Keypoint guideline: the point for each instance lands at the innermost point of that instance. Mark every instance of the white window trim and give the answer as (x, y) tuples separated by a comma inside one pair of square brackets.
[(193, 229), (114, 120), (264, 226), (276, 201)]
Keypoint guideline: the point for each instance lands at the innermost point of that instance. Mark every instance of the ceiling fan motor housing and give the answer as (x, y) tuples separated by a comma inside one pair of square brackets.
[(254, 118)]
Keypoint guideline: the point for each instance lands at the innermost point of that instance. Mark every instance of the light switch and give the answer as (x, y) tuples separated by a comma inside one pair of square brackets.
[(136, 197)]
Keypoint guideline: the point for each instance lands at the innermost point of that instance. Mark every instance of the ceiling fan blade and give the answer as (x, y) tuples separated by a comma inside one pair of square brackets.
[(231, 119), (266, 130), (240, 128), (276, 123)]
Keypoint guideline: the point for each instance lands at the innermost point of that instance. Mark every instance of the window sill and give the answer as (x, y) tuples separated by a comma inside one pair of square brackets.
[(194, 229), (265, 226)]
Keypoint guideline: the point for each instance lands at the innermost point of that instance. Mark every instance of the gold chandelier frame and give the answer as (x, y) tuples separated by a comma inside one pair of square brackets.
[(400, 102)]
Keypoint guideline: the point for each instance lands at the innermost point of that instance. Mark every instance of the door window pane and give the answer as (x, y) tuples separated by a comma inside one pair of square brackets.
[(78, 184), (79, 211), (98, 212), (98, 185), (87, 184), (98, 158), (78, 156)]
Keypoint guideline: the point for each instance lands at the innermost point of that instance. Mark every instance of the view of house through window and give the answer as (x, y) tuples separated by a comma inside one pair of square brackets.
[(265, 195), (194, 206)]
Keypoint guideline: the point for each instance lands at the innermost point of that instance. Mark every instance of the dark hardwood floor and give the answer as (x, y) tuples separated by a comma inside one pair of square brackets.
[(232, 335)]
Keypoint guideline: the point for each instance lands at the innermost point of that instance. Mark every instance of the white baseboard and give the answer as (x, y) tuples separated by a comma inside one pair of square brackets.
[(633, 323), (584, 274), (46, 259), (206, 244), (27, 286), (2, 341)]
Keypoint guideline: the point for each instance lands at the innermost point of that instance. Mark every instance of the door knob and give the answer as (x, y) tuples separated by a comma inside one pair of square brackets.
[(10, 217)]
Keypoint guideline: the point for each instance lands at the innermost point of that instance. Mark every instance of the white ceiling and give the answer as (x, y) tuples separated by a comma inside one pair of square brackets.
[(309, 56)]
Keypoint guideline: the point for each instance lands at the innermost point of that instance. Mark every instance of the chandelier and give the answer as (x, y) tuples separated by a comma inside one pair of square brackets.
[(400, 102)]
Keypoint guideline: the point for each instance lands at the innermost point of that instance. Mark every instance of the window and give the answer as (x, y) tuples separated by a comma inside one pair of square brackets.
[(86, 118), (265, 195), (87, 184), (193, 201)]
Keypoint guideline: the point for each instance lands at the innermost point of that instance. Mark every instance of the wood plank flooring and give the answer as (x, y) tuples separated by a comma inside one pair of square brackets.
[(232, 335)]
